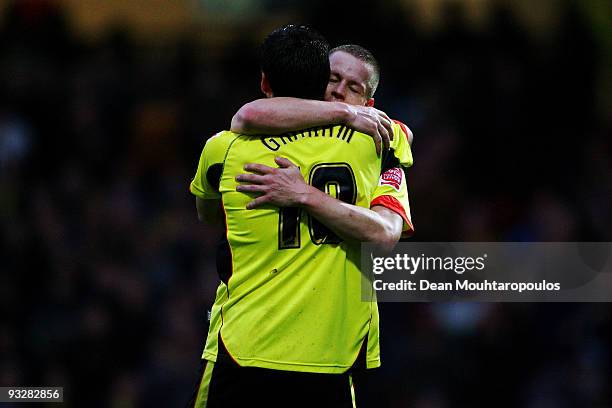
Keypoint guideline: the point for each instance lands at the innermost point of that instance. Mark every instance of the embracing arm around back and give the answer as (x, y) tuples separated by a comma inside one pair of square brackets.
[(285, 187), (284, 114)]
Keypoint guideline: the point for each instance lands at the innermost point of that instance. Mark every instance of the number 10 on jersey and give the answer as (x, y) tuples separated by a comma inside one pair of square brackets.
[(335, 179)]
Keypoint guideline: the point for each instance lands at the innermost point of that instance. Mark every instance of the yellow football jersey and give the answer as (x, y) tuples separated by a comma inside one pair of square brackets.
[(291, 292)]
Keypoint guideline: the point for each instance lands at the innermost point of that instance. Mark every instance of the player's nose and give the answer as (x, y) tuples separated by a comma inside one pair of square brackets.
[(337, 95), (338, 92)]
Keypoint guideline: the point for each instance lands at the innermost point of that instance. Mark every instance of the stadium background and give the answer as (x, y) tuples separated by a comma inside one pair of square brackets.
[(104, 108)]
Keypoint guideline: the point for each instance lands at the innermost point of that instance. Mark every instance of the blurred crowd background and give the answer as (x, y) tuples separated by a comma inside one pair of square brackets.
[(106, 275)]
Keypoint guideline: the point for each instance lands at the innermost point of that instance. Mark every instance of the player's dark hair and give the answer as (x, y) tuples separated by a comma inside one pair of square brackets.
[(366, 56), (295, 59)]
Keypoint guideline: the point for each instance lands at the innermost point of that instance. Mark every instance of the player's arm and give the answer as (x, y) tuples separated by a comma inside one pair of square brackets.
[(378, 225), (392, 190), (392, 193), (284, 114), (285, 187), (205, 183)]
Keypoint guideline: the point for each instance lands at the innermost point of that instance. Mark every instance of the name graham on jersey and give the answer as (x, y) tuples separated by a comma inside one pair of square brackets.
[(275, 142)]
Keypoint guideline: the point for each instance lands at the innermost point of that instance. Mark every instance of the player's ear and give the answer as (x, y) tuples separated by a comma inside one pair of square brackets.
[(265, 86), (370, 102)]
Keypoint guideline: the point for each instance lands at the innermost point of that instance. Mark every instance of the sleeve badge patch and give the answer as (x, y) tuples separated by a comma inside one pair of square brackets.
[(392, 177)]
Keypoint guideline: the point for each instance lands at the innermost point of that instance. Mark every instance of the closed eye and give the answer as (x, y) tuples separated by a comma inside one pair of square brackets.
[(356, 89)]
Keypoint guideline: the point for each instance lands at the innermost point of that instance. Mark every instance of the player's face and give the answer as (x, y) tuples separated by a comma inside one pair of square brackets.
[(348, 80)]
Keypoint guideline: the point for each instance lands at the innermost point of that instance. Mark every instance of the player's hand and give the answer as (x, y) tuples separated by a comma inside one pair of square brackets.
[(373, 122), (283, 186)]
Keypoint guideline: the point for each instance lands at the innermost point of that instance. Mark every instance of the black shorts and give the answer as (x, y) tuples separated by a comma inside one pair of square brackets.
[(228, 385)]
